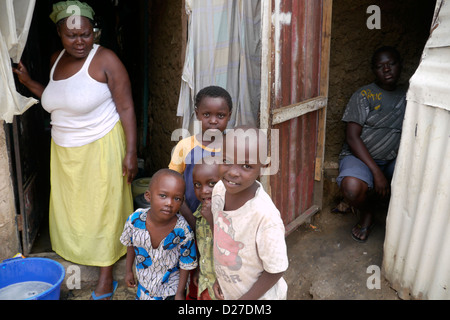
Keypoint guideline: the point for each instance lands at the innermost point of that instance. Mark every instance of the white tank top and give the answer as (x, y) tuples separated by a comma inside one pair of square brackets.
[(82, 109)]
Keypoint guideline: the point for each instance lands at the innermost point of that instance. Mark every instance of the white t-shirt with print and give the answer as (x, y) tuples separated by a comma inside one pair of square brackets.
[(248, 241)]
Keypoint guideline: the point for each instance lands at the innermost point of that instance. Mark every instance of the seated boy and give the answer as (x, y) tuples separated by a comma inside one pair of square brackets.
[(160, 242), (250, 254), (374, 117)]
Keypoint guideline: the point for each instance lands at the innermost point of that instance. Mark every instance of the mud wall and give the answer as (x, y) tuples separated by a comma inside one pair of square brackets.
[(165, 65), (405, 24)]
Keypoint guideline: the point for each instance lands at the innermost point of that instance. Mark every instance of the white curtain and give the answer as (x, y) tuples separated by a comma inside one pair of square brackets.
[(15, 20), (224, 49)]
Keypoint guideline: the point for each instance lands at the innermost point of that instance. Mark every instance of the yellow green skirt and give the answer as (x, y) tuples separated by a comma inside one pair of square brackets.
[(90, 200)]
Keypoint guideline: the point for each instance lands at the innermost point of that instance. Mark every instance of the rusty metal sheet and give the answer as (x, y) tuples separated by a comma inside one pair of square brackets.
[(296, 57), (293, 185), (297, 51)]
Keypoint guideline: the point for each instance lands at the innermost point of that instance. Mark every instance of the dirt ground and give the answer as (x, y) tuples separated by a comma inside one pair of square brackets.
[(325, 262)]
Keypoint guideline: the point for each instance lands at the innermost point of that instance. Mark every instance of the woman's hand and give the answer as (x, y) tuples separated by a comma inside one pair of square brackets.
[(22, 74), (129, 166), (25, 79)]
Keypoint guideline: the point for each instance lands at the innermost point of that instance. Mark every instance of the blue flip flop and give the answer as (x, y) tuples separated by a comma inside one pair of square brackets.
[(108, 295)]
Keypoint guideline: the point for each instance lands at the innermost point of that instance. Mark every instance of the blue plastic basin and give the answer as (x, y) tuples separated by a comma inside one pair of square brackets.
[(33, 269)]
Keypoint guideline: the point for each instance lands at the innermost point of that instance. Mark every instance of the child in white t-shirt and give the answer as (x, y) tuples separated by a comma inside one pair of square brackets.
[(250, 253)]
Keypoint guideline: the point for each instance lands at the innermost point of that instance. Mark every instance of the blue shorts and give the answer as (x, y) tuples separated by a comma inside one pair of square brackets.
[(351, 166)]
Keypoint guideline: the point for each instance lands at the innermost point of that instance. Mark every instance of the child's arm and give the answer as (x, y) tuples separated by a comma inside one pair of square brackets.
[(218, 291), (180, 295), (207, 214), (195, 276), (188, 215), (265, 281), (129, 276)]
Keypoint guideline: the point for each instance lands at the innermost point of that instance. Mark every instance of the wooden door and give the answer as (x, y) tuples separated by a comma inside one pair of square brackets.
[(29, 138), (294, 89)]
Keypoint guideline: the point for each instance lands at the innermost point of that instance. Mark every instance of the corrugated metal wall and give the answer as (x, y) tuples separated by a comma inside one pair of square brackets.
[(417, 245), (293, 185), (296, 66)]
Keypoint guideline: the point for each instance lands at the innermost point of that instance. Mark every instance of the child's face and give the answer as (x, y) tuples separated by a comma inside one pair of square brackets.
[(387, 70), (214, 113), (241, 165), (205, 177), (165, 196)]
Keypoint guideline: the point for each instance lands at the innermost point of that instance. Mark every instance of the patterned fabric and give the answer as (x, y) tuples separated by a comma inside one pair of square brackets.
[(380, 113), (157, 270), (204, 237), (224, 49)]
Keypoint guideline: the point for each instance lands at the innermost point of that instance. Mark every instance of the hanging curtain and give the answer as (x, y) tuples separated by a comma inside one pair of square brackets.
[(15, 20), (224, 49)]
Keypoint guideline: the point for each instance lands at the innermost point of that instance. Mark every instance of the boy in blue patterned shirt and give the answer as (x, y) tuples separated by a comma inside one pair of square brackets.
[(160, 242)]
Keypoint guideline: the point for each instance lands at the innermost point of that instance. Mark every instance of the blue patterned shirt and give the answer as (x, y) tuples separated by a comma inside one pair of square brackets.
[(157, 270)]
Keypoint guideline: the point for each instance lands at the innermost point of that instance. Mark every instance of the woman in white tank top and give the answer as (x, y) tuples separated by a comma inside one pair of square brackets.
[(93, 152)]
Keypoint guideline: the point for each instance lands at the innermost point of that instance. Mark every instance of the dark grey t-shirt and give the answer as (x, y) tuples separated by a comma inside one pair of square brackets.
[(380, 113)]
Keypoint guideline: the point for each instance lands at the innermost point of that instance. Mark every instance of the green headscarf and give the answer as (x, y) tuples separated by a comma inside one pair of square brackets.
[(60, 10)]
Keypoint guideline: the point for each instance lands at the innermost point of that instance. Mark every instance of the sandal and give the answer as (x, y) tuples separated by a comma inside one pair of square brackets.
[(108, 295), (365, 232)]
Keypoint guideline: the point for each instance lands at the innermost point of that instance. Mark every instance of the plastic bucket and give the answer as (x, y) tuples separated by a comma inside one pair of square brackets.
[(18, 270)]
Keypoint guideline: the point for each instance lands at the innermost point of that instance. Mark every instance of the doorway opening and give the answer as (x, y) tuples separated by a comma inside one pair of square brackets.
[(122, 25), (405, 24)]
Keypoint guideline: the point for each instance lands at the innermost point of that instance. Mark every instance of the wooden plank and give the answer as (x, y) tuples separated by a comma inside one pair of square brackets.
[(266, 66), (320, 145), (296, 110), (282, 189), (305, 216), (324, 81), (326, 44), (266, 77), (286, 55)]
